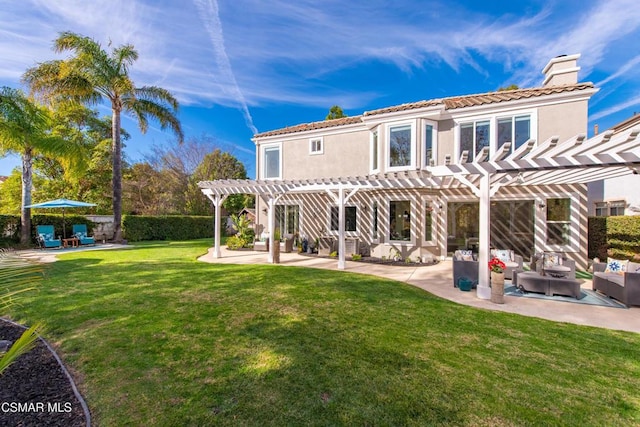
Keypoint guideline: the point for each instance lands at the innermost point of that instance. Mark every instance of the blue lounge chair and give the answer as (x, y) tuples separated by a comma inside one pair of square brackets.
[(47, 237), (80, 232)]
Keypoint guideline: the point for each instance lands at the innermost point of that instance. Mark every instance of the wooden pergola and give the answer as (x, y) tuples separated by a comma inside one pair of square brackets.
[(575, 161)]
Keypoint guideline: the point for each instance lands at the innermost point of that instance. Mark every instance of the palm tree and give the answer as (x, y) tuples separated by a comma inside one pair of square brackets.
[(25, 129), (92, 75)]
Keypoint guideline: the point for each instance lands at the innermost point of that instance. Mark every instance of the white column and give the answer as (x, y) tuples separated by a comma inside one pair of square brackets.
[(217, 200), (341, 243), (484, 289)]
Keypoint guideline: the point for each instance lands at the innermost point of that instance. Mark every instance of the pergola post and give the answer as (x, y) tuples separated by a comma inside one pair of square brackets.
[(341, 245), (484, 238), (217, 200)]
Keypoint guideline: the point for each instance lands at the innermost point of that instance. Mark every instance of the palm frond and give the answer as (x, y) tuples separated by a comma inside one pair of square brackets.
[(23, 345), (144, 109)]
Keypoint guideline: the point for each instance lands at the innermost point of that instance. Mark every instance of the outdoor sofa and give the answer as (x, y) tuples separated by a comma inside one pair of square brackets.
[(623, 286)]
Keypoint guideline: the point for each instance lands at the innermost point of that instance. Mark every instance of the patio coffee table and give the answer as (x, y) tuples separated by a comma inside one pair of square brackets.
[(72, 241), (557, 271), (530, 281)]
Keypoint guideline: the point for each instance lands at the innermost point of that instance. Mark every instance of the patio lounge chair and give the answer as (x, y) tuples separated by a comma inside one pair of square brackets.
[(80, 233), (46, 237)]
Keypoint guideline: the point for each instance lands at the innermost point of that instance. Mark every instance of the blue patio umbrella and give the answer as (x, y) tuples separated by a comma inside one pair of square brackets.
[(63, 204)]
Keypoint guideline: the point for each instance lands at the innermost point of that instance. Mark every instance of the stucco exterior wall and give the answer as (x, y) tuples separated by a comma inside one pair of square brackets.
[(565, 120), (344, 154)]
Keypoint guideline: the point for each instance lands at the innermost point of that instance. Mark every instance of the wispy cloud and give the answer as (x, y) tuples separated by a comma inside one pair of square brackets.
[(294, 52), (630, 102), (208, 10)]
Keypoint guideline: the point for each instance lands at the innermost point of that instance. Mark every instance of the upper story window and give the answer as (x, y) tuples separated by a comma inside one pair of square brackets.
[(271, 162), (316, 146), (375, 150), (429, 145), (401, 146), (516, 129), (474, 136)]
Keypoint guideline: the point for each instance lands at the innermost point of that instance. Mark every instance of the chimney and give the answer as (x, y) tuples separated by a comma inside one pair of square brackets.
[(561, 70), (595, 129)]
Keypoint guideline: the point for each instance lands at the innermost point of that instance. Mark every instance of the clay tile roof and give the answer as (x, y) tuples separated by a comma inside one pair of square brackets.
[(450, 103), (312, 126)]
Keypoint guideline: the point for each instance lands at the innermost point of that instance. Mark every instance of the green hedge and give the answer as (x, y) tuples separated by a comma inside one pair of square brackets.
[(614, 236), (10, 226), (139, 227)]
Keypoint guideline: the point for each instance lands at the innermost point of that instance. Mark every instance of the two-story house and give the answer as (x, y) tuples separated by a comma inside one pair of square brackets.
[(505, 169), (432, 220)]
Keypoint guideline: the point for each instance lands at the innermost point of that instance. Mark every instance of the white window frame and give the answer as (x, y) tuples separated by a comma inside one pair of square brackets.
[(574, 223), (412, 220), (320, 141), (300, 205), (493, 128), (346, 233), (430, 203), (263, 166), (389, 127), (374, 140), (513, 128), (434, 143)]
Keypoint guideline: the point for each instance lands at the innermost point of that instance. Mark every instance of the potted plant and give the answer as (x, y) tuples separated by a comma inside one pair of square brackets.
[(276, 246), (497, 280)]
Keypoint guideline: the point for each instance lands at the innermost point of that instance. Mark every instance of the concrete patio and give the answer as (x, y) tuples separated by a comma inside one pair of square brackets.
[(438, 280)]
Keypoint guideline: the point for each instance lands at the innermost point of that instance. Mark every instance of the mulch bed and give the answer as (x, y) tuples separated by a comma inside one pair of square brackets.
[(34, 390)]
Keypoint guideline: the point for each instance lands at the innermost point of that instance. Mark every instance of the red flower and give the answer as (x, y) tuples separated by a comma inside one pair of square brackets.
[(497, 266)]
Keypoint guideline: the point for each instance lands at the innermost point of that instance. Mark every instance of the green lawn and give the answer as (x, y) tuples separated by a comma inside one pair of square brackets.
[(158, 338)]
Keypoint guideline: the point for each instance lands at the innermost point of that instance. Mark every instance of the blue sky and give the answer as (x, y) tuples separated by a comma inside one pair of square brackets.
[(243, 66)]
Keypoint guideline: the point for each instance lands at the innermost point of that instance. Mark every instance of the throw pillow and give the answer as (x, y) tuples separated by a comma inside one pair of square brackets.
[(503, 255), (551, 259), (466, 255), (616, 266)]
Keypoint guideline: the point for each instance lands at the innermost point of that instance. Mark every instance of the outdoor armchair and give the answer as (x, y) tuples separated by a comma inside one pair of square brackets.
[(46, 237), (511, 260), (465, 265), (80, 233)]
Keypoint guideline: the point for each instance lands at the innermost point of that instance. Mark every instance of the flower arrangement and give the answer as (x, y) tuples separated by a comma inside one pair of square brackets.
[(497, 266)]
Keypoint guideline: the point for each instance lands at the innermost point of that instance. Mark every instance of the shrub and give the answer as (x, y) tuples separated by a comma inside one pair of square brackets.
[(614, 236), (174, 227), (356, 257), (236, 242), (10, 226), (333, 254)]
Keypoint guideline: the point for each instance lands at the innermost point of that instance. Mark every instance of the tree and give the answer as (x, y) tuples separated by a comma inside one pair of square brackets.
[(92, 75), (25, 129), (335, 112), (510, 87), (216, 165)]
